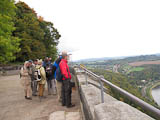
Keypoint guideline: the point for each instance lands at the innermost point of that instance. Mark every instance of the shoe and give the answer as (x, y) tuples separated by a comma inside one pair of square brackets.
[(71, 105), (40, 98), (63, 105), (44, 97), (60, 100), (29, 98), (25, 97)]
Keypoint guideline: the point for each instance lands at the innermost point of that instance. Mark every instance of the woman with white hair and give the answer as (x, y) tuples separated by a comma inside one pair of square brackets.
[(26, 80)]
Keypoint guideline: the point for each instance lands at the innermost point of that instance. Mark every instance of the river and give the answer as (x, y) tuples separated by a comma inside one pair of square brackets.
[(156, 94)]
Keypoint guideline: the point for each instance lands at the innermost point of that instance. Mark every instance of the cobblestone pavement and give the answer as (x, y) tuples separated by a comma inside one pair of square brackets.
[(13, 105)]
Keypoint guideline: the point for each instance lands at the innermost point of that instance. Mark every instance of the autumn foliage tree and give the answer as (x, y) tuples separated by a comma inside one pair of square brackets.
[(38, 37)]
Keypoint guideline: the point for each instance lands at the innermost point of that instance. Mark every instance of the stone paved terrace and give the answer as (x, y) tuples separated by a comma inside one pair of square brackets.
[(13, 106)]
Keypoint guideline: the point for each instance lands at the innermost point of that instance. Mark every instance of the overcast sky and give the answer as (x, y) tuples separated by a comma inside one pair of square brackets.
[(103, 28)]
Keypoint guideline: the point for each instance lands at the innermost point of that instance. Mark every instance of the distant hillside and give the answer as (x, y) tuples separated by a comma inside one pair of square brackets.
[(94, 59), (143, 58), (128, 59)]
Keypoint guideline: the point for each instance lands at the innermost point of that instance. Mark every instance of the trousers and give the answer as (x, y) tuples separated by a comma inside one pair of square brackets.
[(59, 89), (51, 86), (41, 89), (66, 92), (27, 90), (34, 87)]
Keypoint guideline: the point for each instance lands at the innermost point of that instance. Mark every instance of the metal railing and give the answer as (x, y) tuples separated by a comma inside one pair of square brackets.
[(152, 111)]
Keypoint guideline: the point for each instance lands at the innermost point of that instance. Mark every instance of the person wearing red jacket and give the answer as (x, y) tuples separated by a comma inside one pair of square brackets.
[(66, 82)]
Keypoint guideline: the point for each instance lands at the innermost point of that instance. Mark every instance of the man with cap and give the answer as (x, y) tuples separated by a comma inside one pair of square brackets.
[(66, 81), (34, 74), (31, 72)]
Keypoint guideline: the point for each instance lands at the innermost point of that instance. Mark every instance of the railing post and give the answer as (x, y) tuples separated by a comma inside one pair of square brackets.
[(86, 78), (102, 91)]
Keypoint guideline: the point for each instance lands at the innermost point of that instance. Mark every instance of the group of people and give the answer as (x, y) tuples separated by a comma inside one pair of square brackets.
[(34, 75)]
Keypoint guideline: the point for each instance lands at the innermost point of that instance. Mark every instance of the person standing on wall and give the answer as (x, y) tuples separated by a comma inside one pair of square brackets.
[(66, 81)]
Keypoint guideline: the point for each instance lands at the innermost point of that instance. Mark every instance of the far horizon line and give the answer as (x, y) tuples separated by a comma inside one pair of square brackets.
[(115, 57)]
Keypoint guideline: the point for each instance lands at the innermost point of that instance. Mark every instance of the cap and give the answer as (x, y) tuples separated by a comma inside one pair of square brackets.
[(30, 61), (64, 53)]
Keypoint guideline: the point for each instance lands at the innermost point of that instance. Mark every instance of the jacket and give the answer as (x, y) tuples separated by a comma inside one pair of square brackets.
[(64, 69), (25, 77), (56, 65), (43, 74), (32, 70)]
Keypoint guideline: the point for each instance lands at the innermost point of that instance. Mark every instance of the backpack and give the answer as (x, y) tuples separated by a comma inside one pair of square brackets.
[(38, 75), (49, 71), (59, 75)]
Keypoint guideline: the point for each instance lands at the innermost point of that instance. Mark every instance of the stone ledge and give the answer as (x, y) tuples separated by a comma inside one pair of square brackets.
[(112, 109), (62, 115), (118, 111), (92, 96), (59, 115)]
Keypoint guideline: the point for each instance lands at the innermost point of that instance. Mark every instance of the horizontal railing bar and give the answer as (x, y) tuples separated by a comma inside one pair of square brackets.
[(151, 109)]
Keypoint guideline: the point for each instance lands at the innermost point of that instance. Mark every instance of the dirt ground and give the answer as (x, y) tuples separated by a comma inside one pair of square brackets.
[(13, 105)]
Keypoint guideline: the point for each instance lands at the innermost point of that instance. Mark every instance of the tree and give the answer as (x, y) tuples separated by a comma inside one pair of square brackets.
[(39, 38), (51, 36), (29, 31), (9, 45)]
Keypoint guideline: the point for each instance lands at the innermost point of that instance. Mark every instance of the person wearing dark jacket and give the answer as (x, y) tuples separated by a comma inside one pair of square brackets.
[(66, 81), (58, 83), (51, 84)]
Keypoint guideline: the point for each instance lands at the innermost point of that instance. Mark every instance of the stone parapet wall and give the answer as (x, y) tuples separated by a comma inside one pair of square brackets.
[(111, 109), (10, 70)]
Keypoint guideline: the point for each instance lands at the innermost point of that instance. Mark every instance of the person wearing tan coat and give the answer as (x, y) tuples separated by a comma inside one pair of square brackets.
[(42, 82), (26, 81)]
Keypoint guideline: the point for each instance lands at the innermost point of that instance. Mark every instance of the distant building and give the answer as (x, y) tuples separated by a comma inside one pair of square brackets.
[(143, 81)]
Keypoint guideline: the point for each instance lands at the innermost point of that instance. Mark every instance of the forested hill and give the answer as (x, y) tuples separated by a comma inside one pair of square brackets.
[(24, 35), (151, 57), (142, 58), (123, 82)]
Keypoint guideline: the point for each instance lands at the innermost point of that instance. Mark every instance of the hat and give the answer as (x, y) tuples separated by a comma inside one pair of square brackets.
[(40, 62), (30, 61), (64, 53)]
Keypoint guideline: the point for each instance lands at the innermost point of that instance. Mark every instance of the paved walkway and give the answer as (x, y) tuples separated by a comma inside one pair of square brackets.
[(13, 106)]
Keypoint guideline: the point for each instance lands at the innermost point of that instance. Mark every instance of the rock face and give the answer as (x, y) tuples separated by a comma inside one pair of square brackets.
[(111, 109)]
